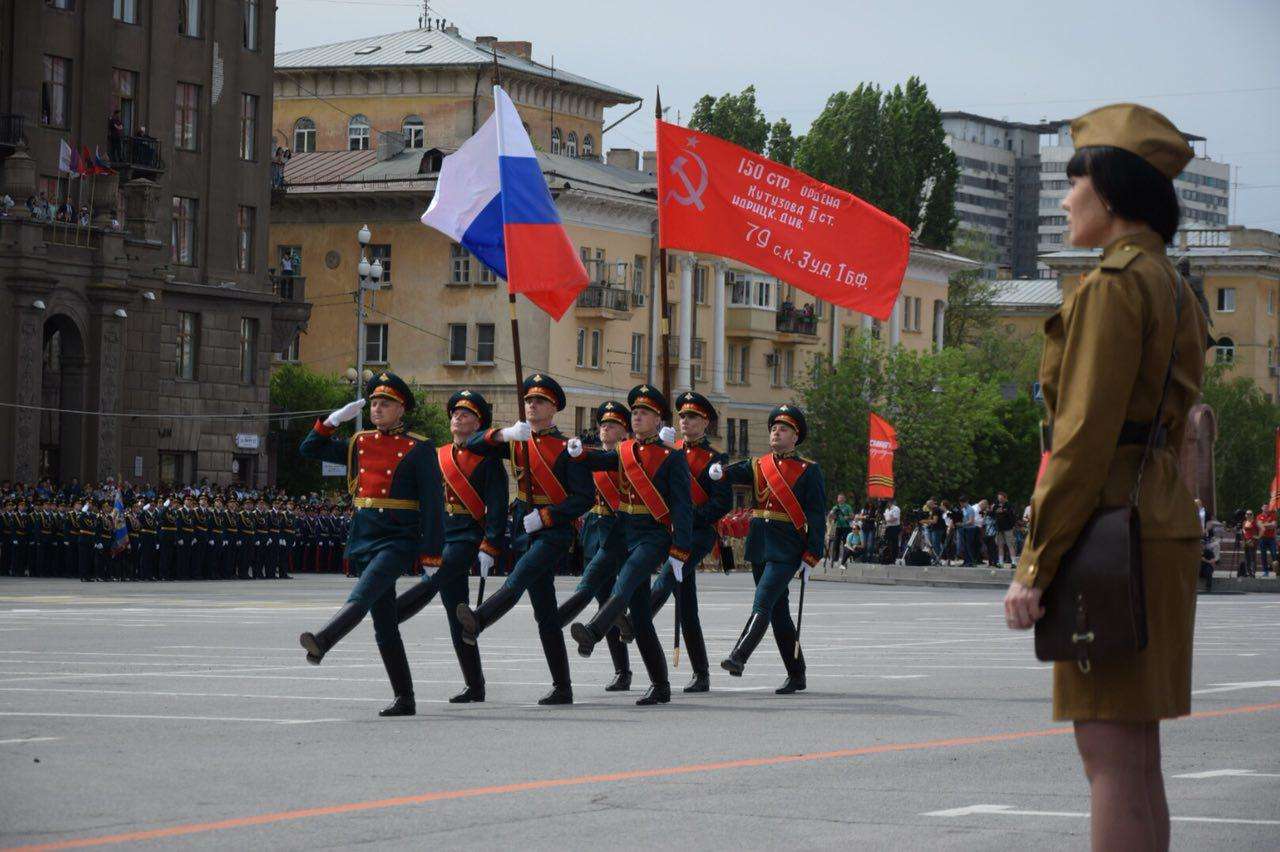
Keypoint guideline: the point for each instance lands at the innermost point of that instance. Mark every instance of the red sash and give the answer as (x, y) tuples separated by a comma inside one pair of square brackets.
[(608, 488), (629, 451), (777, 483), (699, 493), (543, 475), (458, 482)]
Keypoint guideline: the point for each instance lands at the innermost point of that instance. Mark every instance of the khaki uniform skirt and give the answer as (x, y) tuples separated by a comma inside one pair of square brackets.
[(1155, 683)]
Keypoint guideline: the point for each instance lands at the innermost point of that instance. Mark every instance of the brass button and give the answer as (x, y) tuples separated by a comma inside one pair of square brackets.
[(399, 455), (1031, 569)]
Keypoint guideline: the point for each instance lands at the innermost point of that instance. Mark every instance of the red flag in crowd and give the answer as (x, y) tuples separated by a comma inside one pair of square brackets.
[(719, 198), (1275, 480), (881, 445)]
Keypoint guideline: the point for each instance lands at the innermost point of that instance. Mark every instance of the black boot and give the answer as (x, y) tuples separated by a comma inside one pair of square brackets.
[(318, 644), (747, 642), (794, 662), (655, 663), (557, 655), (469, 661), (397, 665), (697, 650), (414, 600), (587, 635), (621, 662), (474, 621), (700, 682), (573, 605)]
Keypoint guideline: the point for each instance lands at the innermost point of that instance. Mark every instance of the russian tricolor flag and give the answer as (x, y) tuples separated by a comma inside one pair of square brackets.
[(491, 197)]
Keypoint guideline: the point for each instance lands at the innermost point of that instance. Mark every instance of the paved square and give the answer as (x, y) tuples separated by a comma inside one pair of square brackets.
[(170, 714)]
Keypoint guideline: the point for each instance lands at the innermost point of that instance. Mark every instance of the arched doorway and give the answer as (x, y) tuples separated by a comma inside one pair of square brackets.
[(63, 375)]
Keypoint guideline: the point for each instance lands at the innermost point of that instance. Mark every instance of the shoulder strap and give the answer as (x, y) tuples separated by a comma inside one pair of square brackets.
[(1154, 430), (781, 489)]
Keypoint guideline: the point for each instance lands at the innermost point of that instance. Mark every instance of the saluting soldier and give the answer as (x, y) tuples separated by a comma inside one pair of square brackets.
[(475, 502), (788, 525), (148, 543), (553, 493), (711, 500), (85, 531), (657, 515), (394, 477), (604, 542)]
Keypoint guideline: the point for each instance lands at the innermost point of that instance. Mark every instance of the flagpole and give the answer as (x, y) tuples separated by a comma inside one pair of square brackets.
[(665, 330)]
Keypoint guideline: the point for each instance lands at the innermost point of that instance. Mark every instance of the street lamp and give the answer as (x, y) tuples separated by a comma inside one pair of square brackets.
[(370, 276)]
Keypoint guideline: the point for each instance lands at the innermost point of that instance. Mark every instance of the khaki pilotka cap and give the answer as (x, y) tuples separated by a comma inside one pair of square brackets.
[(1138, 130)]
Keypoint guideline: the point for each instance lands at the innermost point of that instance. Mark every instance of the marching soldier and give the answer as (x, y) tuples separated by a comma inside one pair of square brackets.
[(475, 502), (787, 527), (395, 480), (553, 493), (711, 500), (604, 542), (657, 517)]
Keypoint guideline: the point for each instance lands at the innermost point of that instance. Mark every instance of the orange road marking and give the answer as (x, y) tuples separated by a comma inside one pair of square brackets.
[(579, 781)]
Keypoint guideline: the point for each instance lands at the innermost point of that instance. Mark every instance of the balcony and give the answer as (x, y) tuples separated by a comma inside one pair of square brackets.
[(793, 321), (604, 302), (140, 155), (290, 288), (10, 133), (292, 314)]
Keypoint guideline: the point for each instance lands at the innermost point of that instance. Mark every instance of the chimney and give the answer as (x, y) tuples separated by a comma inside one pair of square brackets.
[(486, 41), (623, 158), (451, 29), (522, 49), (650, 162)]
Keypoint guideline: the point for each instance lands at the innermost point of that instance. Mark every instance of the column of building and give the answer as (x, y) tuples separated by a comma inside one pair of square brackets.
[(684, 375), (717, 333)]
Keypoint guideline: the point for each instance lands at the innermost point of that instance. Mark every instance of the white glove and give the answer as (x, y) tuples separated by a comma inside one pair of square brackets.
[(677, 566), (166, 503), (486, 562), (211, 542), (574, 446), (520, 431), (667, 435), (97, 546), (533, 522), (716, 472), (181, 543), (345, 413)]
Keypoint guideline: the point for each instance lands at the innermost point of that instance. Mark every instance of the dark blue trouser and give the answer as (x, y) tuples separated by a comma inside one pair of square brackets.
[(772, 600), (644, 555), (450, 581), (602, 571), (376, 592), (535, 572), (665, 583)]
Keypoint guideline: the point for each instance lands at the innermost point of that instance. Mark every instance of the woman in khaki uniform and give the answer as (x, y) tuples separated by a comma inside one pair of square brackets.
[(1105, 356)]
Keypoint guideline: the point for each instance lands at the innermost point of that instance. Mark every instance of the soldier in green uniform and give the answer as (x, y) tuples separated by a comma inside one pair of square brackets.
[(788, 525), (395, 480)]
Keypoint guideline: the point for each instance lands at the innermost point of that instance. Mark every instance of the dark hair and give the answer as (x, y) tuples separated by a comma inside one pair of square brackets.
[(1131, 187)]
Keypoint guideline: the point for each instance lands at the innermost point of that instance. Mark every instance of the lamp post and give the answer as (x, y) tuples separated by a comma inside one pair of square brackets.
[(369, 278)]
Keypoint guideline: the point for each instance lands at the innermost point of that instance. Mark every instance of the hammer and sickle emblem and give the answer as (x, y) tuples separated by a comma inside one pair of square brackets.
[(692, 194)]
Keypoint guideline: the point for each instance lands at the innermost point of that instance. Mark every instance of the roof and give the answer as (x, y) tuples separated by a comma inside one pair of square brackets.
[(429, 49), (1027, 293)]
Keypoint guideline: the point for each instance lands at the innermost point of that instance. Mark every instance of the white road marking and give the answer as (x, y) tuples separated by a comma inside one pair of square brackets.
[(1008, 810), (29, 740), (1235, 687), (169, 718), (1228, 773)]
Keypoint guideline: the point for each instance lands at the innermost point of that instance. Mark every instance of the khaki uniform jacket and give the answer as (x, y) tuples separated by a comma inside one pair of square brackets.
[(1104, 362)]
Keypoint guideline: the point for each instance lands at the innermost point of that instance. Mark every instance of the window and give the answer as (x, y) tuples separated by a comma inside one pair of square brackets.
[(911, 313), (571, 145), (484, 343), (358, 133), (291, 353), (555, 140), (588, 147), (177, 468), (744, 365), (739, 289), (1271, 303), (188, 349), (248, 127), (637, 353), (55, 92), (182, 250), (764, 294), (639, 281), (189, 18), (248, 350), (595, 348), (731, 436), (304, 136), (415, 134), (457, 343), (487, 275), (125, 11), (124, 94), (382, 252), (186, 117), (744, 446), (789, 367), (582, 347), (375, 343), (700, 285), (65, 5), (461, 273), (697, 353), (251, 16), (774, 362), (1225, 351), (1226, 299), (245, 221)]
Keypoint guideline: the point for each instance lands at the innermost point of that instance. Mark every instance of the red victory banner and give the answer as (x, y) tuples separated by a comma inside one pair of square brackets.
[(719, 198), (881, 444)]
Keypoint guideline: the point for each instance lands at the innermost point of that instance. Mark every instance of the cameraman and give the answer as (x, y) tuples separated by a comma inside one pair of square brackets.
[(1005, 521)]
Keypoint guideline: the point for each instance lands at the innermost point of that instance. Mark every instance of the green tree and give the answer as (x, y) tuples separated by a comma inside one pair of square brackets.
[(971, 293), (732, 117), (888, 149), (782, 144), (1245, 448)]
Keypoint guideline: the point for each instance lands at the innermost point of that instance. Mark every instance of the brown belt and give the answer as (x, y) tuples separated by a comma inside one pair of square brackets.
[(383, 503)]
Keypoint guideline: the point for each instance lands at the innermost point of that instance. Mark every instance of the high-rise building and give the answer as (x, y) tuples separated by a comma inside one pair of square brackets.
[(139, 314)]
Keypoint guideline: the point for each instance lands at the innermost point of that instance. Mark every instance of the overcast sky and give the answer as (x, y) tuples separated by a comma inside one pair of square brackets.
[(1212, 67)]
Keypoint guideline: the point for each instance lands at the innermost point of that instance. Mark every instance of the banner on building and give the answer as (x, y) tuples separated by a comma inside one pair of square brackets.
[(881, 444), (719, 198)]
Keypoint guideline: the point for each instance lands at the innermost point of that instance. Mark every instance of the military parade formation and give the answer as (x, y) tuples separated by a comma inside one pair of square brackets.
[(637, 500)]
